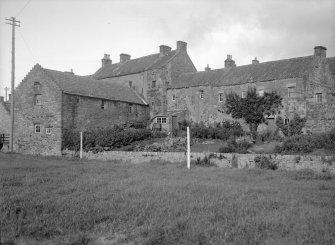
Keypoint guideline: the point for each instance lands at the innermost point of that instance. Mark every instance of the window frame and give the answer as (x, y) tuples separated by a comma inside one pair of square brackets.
[(37, 85), (318, 98), (48, 130), (290, 91), (221, 95), (201, 94), (244, 94), (103, 105), (153, 84), (261, 92), (160, 120), (38, 99), (130, 108), (39, 126), (173, 97), (286, 121)]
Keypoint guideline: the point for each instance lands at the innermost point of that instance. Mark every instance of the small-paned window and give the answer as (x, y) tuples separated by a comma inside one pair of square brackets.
[(38, 99), (173, 97), (161, 119), (286, 121), (37, 128), (290, 92), (261, 92), (153, 84), (103, 104), (201, 92), (77, 99), (48, 130), (318, 97), (244, 94), (220, 97), (37, 85)]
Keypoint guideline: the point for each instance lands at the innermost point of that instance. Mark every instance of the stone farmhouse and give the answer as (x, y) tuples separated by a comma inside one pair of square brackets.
[(49, 102), (306, 85)]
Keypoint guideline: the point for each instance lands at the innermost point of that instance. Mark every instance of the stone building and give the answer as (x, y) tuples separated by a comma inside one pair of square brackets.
[(306, 85), (150, 75), (49, 102), (4, 116)]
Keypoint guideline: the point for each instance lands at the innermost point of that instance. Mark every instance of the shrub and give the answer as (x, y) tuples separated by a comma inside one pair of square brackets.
[(264, 162), (205, 162), (239, 145), (294, 127)]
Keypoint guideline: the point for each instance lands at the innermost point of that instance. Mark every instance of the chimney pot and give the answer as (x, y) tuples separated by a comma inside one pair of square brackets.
[(181, 46), (163, 50), (255, 61), (207, 68), (106, 60), (229, 62), (124, 57), (320, 51)]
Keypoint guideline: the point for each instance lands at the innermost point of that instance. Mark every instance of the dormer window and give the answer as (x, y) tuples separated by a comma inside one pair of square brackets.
[(201, 92), (38, 99)]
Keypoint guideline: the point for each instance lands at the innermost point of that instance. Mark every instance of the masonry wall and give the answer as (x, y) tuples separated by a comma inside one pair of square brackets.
[(47, 115), (83, 113), (4, 119)]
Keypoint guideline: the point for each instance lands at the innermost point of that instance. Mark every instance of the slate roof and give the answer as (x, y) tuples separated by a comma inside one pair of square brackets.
[(141, 64), (267, 71), (79, 85), (6, 105)]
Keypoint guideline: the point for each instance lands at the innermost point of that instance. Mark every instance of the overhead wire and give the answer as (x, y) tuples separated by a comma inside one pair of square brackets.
[(23, 8), (27, 46)]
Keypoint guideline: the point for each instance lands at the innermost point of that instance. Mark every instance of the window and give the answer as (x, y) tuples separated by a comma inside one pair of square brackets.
[(161, 119), (37, 85), (290, 92), (201, 94), (261, 92), (152, 104), (131, 109), (77, 99), (244, 94), (318, 98), (153, 84), (286, 121), (220, 97), (130, 84), (48, 130), (37, 128), (173, 97), (38, 99), (103, 104)]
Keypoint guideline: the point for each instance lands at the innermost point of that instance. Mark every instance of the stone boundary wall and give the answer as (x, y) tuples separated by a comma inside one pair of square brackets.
[(288, 162)]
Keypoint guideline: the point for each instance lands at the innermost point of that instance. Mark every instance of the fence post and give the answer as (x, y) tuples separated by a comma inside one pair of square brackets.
[(81, 144), (188, 149)]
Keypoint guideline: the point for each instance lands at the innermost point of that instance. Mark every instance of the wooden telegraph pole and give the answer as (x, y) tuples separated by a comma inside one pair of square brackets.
[(13, 22)]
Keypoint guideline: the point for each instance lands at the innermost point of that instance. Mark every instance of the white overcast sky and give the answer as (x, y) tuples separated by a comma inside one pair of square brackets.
[(65, 34)]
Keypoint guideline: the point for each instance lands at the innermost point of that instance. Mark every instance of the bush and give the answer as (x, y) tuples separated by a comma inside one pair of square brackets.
[(264, 162), (294, 127), (239, 145), (205, 162)]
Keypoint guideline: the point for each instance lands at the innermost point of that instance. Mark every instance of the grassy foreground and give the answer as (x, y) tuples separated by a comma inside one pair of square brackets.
[(61, 201)]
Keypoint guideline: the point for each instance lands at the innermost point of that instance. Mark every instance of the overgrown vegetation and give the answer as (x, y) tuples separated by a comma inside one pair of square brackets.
[(237, 145), (264, 162), (254, 109), (308, 143), (60, 201), (294, 127), (107, 138)]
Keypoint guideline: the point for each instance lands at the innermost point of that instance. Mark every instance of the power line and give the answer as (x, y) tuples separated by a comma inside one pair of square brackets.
[(17, 15), (27, 46)]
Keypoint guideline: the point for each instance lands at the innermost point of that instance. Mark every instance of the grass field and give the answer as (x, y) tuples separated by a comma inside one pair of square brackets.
[(62, 201)]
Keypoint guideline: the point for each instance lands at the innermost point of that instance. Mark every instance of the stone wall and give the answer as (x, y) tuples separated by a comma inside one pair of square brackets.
[(47, 115), (81, 113), (4, 119), (288, 162)]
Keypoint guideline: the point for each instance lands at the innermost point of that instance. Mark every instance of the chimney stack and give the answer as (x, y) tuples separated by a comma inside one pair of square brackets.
[(163, 50), (124, 57), (320, 51), (255, 61), (207, 68), (229, 62), (106, 60), (181, 46)]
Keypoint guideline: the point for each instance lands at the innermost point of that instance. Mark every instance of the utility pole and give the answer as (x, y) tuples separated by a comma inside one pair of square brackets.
[(13, 22), (6, 89)]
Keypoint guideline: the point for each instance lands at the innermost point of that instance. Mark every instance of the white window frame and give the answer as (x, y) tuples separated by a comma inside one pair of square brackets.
[(286, 121), (261, 92), (161, 120), (131, 109), (173, 97), (244, 94), (290, 91), (103, 104), (48, 130), (38, 99), (37, 126), (318, 98), (221, 97), (201, 94)]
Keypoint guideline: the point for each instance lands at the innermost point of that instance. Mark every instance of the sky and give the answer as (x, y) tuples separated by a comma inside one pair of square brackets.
[(75, 34)]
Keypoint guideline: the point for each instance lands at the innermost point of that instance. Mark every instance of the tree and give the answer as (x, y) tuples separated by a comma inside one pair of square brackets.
[(254, 109), (294, 126)]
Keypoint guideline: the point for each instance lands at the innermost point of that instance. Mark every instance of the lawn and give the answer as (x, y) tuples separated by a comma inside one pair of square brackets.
[(71, 201)]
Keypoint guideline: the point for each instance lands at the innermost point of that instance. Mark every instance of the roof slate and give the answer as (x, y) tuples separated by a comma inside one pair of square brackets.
[(141, 64), (73, 84), (267, 71)]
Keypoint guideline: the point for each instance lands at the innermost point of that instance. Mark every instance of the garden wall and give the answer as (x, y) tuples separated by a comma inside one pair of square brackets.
[(288, 162)]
